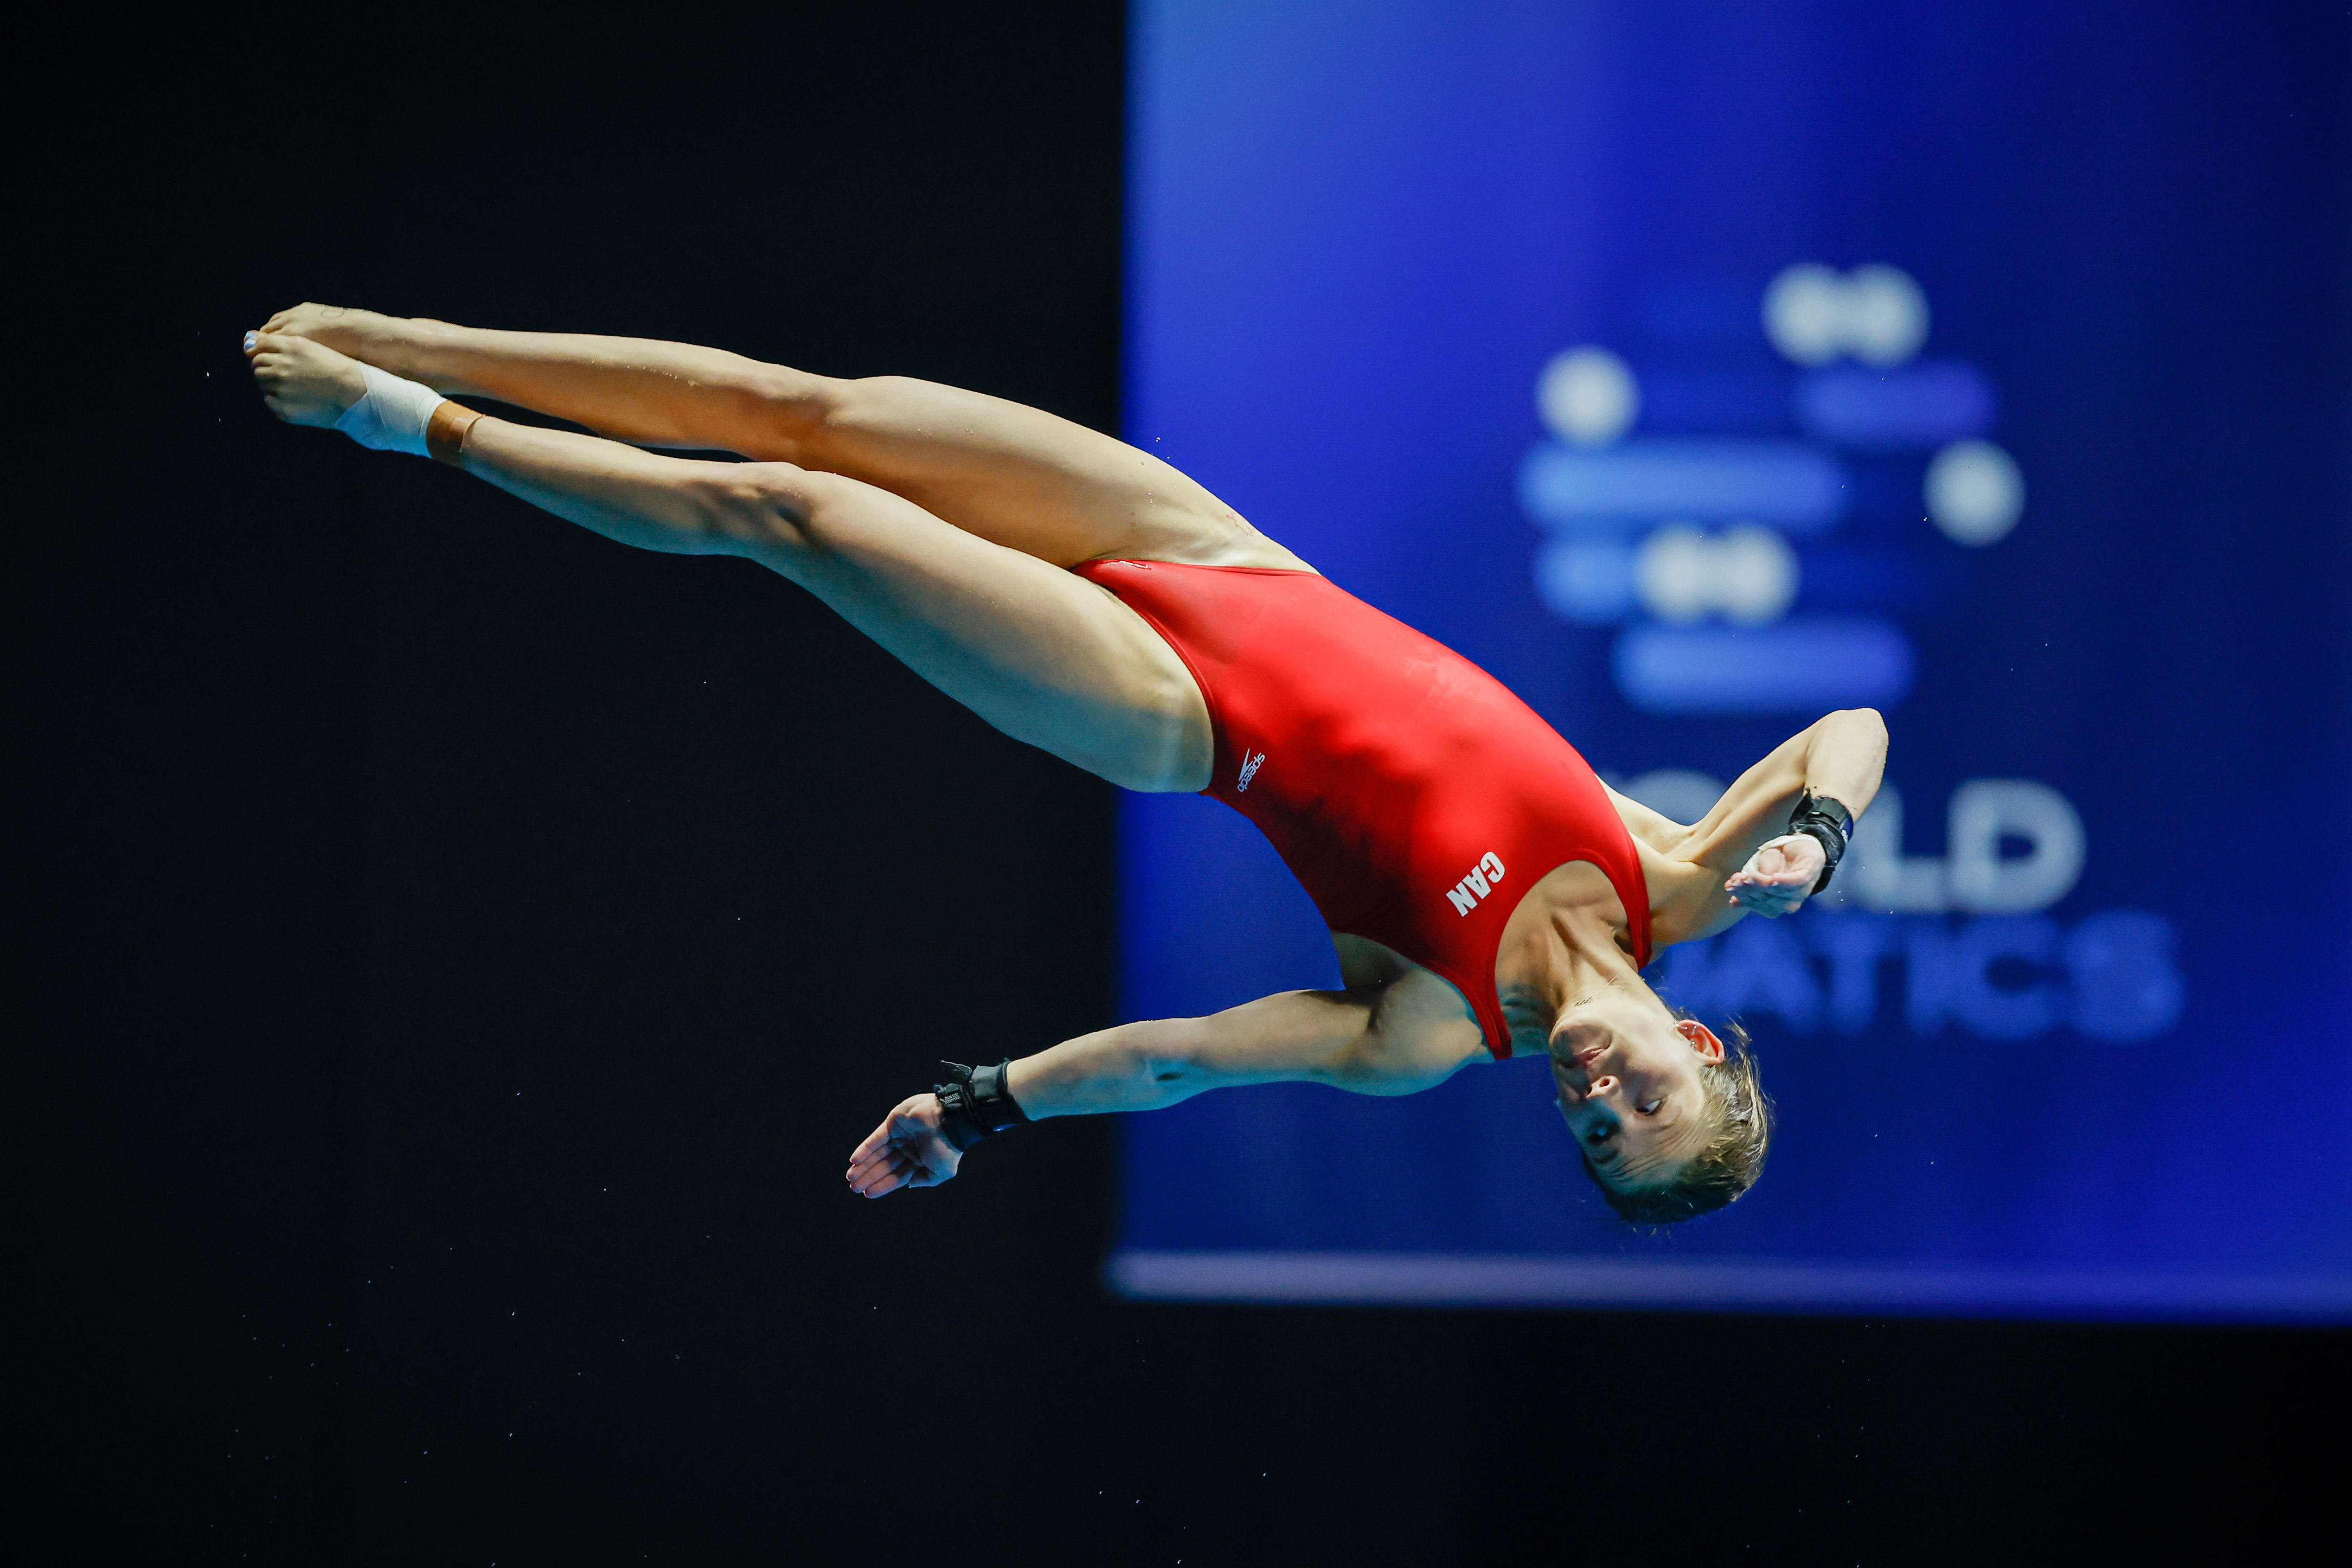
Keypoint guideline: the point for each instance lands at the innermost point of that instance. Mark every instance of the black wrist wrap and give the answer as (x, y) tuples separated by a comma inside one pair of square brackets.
[(1826, 822), (975, 1102)]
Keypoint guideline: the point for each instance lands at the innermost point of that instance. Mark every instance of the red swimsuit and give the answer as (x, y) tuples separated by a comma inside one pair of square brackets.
[(1415, 798)]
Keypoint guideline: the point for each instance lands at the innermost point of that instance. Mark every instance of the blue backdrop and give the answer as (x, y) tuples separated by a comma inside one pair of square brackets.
[(1697, 369)]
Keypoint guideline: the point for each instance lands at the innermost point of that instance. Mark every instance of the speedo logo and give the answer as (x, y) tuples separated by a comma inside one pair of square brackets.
[(1465, 894), (1250, 765)]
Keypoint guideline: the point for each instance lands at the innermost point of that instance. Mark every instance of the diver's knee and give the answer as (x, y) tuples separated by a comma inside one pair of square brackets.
[(797, 408), (764, 505)]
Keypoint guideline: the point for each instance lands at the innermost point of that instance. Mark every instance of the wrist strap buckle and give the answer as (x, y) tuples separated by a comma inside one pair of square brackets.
[(1828, 824), (975, 1103)]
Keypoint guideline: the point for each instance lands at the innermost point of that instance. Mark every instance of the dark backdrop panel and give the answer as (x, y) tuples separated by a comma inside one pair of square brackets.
[(479, 946), (450, 955)]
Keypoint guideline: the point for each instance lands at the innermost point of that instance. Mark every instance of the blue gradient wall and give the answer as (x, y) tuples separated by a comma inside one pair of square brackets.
[(1697, 369)]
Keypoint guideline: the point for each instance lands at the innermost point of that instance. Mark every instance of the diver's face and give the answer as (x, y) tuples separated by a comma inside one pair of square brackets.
[(1629, 1084)]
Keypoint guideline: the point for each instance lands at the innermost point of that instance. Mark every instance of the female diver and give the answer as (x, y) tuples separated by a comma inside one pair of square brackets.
[(1486, 891)]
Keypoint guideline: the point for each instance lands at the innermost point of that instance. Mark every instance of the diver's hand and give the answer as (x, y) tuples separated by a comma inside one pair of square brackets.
[(1778, 876), (907, 1150)]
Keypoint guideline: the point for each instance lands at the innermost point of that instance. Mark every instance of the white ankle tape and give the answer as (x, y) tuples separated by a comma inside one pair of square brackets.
[(392, 417)]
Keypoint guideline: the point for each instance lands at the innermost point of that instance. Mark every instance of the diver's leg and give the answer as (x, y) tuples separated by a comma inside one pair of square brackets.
[(1013, 475), (1041, 653), (639, 390)]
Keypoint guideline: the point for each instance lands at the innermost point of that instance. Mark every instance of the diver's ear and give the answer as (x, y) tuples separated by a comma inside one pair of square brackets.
[(1702, 1038)]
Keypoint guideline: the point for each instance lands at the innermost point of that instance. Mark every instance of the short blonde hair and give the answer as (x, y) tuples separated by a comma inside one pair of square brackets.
[(1728, 1164)]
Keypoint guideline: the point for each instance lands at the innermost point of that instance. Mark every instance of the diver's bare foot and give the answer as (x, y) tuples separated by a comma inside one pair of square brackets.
[(363, 334), (303, 381)]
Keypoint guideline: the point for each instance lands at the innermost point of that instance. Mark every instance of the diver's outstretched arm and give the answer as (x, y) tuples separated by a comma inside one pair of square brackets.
[(1013, 475), (1399, 1037)]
